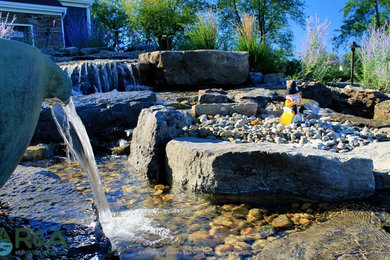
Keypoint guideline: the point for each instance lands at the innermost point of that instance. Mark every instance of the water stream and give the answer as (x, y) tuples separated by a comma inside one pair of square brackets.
[(130, 226), (75, 136)]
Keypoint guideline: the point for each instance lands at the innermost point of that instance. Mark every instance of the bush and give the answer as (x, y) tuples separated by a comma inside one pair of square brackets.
[(375, 58), (6, 27), (204, 34), (261, 56)]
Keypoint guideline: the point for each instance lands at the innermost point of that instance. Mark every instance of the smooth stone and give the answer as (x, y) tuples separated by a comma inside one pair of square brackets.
[(282, 221)]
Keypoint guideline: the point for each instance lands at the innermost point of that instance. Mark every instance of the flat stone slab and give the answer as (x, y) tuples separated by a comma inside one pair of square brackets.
[(248, 108), (229, 169), (46, 202), (352, 235), (379, 153)]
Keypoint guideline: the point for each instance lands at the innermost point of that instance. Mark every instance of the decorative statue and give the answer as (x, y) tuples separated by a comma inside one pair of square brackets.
[(293, 105)]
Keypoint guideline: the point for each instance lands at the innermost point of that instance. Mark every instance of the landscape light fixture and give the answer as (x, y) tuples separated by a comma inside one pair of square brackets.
[(353, 46)]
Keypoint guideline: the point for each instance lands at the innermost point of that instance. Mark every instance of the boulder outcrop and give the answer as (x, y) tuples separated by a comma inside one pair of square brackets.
[(199, 67), (224, 169), (156, 127)]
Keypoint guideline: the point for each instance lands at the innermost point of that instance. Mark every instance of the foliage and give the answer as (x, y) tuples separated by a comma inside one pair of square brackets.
[(155, 19), (204, 33), (272, 17), (375, 58), (109, 14), (80, 38), (6, 27), (359, 15), (261, 55), (315, 60)]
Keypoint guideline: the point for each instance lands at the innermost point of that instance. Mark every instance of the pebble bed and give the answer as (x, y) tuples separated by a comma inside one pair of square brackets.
[(320, 133), (202, 230)]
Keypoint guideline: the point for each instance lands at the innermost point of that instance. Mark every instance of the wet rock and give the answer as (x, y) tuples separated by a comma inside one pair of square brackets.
[(223, 250), (106, 116), (254, 215), (225, 169), (199, 67), (350, 235), (282, 221), (156, 127), (47, 203), (382, 111), (37, 152)]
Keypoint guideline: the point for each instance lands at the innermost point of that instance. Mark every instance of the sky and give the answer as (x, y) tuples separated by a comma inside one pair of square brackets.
[(325, 9)]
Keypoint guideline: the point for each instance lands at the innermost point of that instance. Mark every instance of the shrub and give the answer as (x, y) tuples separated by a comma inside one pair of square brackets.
[(315, 60), (6, 27), (261, 56), (375, 58), (204, 34)]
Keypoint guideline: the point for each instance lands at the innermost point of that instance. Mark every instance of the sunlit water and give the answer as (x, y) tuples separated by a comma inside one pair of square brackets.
[(121, 227)]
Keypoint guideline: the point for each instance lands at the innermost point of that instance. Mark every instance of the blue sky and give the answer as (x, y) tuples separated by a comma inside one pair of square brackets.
[(325, 9)]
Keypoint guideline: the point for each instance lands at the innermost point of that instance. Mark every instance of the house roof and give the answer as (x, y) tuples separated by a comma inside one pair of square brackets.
[(37, 2)]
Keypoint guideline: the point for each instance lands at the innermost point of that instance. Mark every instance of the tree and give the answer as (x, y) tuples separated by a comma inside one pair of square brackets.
[(359, 15), (273, 17), (155, 19), (109, 13)]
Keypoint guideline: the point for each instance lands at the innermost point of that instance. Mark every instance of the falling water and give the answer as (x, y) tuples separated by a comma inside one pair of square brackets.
[(75, 135), (131, 226)]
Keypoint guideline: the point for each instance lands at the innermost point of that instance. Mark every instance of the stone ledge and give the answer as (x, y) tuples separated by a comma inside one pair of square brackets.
[(228, 169)]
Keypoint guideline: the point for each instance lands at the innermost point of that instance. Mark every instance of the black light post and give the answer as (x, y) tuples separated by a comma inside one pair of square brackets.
[(352, 46)]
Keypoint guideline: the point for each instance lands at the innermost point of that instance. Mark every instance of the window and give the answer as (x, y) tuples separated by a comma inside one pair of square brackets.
[(23, 33)]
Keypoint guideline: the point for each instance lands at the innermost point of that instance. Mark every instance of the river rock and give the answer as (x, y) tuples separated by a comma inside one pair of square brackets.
[(248, 170), (198, 67), (256, 77), (358, 121), (379, 153), (382, 111), (106, 116), (156, 127), (352, 235), (282, 221), (275, 78)]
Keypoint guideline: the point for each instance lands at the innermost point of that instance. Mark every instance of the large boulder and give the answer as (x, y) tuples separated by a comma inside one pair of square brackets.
[(156, 127), (352, 235), (225, 169), (382, 111), (198, 67), (105, 115), (379, 153)]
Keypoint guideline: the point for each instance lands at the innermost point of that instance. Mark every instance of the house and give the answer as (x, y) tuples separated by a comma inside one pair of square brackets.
[(48, 23)]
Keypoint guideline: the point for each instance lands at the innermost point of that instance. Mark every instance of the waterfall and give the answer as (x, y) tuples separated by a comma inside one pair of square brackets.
[(75, 136), (97, 76)]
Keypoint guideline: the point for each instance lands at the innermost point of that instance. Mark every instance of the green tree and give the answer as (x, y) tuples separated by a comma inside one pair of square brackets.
[(359, 15), (273, 17), (109, 13), (155, 19)]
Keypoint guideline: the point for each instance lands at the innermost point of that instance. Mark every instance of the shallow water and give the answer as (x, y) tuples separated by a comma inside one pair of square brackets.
[(148, 222)]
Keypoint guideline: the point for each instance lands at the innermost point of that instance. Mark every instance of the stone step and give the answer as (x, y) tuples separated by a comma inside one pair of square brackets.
[(225, 169)]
